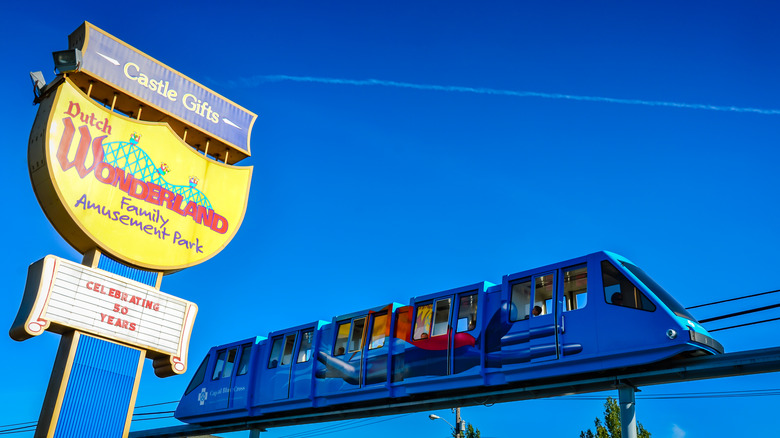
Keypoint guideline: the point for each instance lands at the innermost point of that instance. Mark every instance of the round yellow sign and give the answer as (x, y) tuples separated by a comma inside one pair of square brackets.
[(133, 189)]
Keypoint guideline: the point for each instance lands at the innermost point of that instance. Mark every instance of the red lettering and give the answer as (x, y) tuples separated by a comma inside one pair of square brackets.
[(100, 174), (80, 159), (122, 180), (134, 185), (219, 224), (132, 327), (154, 194)]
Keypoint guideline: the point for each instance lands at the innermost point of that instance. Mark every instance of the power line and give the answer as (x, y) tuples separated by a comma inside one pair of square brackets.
[(733, 299)]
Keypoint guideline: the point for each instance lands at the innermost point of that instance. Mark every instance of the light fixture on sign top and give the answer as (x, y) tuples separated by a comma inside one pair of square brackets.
[(66, 61), (38, 83)]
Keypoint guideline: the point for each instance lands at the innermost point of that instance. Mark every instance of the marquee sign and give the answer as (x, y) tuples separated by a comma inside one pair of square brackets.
[(61, 295), (133, 189), (112, 61)]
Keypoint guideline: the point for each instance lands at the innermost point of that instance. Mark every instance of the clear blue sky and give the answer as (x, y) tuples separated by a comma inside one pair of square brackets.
[(366, 194)]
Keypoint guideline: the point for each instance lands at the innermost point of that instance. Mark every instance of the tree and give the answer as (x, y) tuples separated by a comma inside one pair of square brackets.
[(611, 426), (470, 432)]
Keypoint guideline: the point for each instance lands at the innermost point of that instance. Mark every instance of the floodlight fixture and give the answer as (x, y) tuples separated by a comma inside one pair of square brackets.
[(66, 61), (39, 83)]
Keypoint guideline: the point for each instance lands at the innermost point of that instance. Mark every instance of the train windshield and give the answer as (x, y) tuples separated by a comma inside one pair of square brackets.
[(659, 291)]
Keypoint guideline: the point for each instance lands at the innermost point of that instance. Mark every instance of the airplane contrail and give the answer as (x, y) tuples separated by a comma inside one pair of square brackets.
[(256, 80)]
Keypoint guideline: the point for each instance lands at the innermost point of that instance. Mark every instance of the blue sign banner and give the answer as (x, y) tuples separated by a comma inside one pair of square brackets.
[(107, 58)]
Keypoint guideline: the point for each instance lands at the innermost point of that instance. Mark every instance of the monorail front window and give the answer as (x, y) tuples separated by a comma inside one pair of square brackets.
[(618, 290), (199, 376), (659, 291)]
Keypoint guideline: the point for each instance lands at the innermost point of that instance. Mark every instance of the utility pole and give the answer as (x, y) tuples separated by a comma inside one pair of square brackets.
[(458, 427)]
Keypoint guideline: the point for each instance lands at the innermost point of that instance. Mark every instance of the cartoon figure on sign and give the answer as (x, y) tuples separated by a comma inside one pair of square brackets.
[(194, 181), (164, 169), (135, 138)]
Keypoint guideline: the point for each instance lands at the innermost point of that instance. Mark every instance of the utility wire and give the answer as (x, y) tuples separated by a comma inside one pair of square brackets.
[(740, 313), (733, 299)]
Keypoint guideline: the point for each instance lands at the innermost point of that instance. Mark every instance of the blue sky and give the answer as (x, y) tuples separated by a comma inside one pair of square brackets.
[(423, 180)]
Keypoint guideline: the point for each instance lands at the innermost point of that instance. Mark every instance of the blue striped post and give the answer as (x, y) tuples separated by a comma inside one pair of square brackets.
[(94, 382)]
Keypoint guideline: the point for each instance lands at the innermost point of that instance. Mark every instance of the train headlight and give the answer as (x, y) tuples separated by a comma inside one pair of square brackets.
[(671, 333)]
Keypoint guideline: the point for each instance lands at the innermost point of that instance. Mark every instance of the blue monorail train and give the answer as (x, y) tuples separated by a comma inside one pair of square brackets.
[(590, 314)]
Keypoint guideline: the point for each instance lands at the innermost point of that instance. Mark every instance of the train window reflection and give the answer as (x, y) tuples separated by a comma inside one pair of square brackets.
[(422, 324), (441, 318), (575, 287), (356, 341), (619, 290), (378, 330), (304, 353), (289, 345), (340, 347), (276, 349), (467, 313), (243, 363), (219, 365), (519, 307)]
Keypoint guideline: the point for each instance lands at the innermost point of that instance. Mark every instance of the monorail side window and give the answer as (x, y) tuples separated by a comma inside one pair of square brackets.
[(219, 365), (619, 290), (276, 349), (422, 324), (575, 287), (356, 341), (304, 353), (441, 317), (243, 363), (378, 330), (340, 347), (200, 374), (231, 360), (543, 293), (467, 313), (289, 345), (520, 305)]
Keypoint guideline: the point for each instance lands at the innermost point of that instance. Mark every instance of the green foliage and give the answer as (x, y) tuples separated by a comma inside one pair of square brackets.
[(611, 426), (470, 432)]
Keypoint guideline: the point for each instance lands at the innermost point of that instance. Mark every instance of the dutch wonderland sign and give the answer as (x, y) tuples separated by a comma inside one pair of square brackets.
[(133, 189), (62, 295)]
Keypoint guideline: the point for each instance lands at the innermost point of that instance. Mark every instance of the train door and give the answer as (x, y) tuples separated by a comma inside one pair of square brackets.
[(302, 366), (223, 373), (348, 349), (544, 318), (431, 338), (239, 385), (280, 361), (465, 353), (376, 349)]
